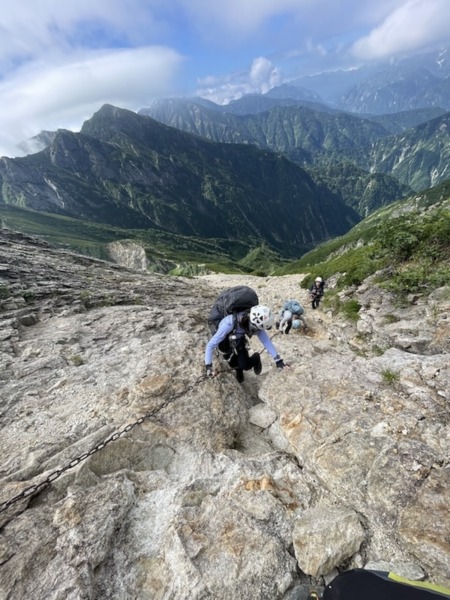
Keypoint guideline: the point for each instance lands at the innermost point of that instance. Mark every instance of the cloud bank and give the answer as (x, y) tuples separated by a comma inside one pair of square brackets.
[(65, 94), (413, 26), (59, 62)]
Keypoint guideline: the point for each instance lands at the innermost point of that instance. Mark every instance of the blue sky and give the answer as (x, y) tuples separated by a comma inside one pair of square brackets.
[(61, 61)]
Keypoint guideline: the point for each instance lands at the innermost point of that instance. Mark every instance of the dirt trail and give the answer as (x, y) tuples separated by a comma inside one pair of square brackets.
[(273, 291)]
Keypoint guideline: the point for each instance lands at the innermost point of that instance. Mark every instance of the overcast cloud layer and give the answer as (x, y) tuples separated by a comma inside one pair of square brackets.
[(60, 62)]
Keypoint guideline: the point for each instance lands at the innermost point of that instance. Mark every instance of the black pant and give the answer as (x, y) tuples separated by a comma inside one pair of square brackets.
[(315, 301), (239, 359)]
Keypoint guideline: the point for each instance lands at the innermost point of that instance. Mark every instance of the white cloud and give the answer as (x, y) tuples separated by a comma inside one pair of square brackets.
[(413, 26), (28, 29), (295, 19), (259, 78), (264, 75), (59, 61), (62, 95), (239, 16)]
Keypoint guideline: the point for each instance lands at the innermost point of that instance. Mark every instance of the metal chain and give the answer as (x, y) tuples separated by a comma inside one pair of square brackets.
[(38, 487), (33, 489)]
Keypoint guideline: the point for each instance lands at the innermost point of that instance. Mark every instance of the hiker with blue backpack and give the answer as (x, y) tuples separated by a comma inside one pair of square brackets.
[(291, 316), (235, 317)]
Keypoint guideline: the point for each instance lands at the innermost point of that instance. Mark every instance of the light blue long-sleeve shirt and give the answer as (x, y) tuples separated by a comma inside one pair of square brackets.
[(226, 326)]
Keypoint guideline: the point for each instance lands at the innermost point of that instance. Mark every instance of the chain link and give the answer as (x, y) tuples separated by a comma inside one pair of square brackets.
[(38, 487)]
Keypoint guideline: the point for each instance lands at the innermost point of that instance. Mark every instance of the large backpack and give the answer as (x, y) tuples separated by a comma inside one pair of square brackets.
[(380, 585), (294, 307), (231, 301)]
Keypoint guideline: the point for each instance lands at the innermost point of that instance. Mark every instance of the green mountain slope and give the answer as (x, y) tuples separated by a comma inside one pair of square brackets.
[(130, 171), (408, 119), (363, 191), (312, 138), (165, 252), (407, 243), (419, 157), (299, 132)]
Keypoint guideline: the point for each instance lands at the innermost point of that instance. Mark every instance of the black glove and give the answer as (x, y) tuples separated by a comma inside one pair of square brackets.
[(280, 364), (209, 371)]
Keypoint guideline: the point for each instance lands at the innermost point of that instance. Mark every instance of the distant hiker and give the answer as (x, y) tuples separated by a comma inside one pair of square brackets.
[(316, 291), (291, 316), (231, 322)]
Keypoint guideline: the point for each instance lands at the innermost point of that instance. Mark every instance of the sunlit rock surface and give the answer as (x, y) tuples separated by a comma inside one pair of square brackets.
[(209, 488)]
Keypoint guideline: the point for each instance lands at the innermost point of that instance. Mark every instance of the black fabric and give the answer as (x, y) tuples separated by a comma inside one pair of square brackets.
[(318, 287), (237, 354), (257, 368), (315, 302), (242, 360), (228, 346), (360, 584), (225, 347), (239, 375), (240, 357), (231, 300), (316, 294)]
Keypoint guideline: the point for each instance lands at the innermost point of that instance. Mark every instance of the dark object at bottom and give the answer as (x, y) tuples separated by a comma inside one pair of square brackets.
[(358, 584), (239, 375), (258, 364)]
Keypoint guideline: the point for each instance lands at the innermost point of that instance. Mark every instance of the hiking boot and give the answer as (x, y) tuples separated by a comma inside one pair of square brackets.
[(258, 364), (239, 375)]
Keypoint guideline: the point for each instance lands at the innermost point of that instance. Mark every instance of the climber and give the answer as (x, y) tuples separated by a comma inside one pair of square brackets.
[(231, 339), (316, 291), (291, 316)]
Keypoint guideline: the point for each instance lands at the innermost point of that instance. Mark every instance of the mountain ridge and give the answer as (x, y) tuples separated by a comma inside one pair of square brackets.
[(129, 170), (315, 138)]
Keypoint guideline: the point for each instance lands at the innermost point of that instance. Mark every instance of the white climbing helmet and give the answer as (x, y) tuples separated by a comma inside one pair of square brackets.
[(296, 324), (261, 317), (319, 279)]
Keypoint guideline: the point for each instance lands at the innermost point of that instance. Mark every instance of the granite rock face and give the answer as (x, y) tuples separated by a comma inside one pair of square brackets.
[(126, 474)]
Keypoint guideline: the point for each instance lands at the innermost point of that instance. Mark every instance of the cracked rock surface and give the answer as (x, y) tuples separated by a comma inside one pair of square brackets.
[(211, 488)]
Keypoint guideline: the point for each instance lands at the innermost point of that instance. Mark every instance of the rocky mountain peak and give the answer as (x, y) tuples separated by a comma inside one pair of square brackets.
[(154, 483)]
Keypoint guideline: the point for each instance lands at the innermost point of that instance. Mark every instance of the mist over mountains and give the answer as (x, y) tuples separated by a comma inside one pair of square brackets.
[(418, 81), (284, 171)]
